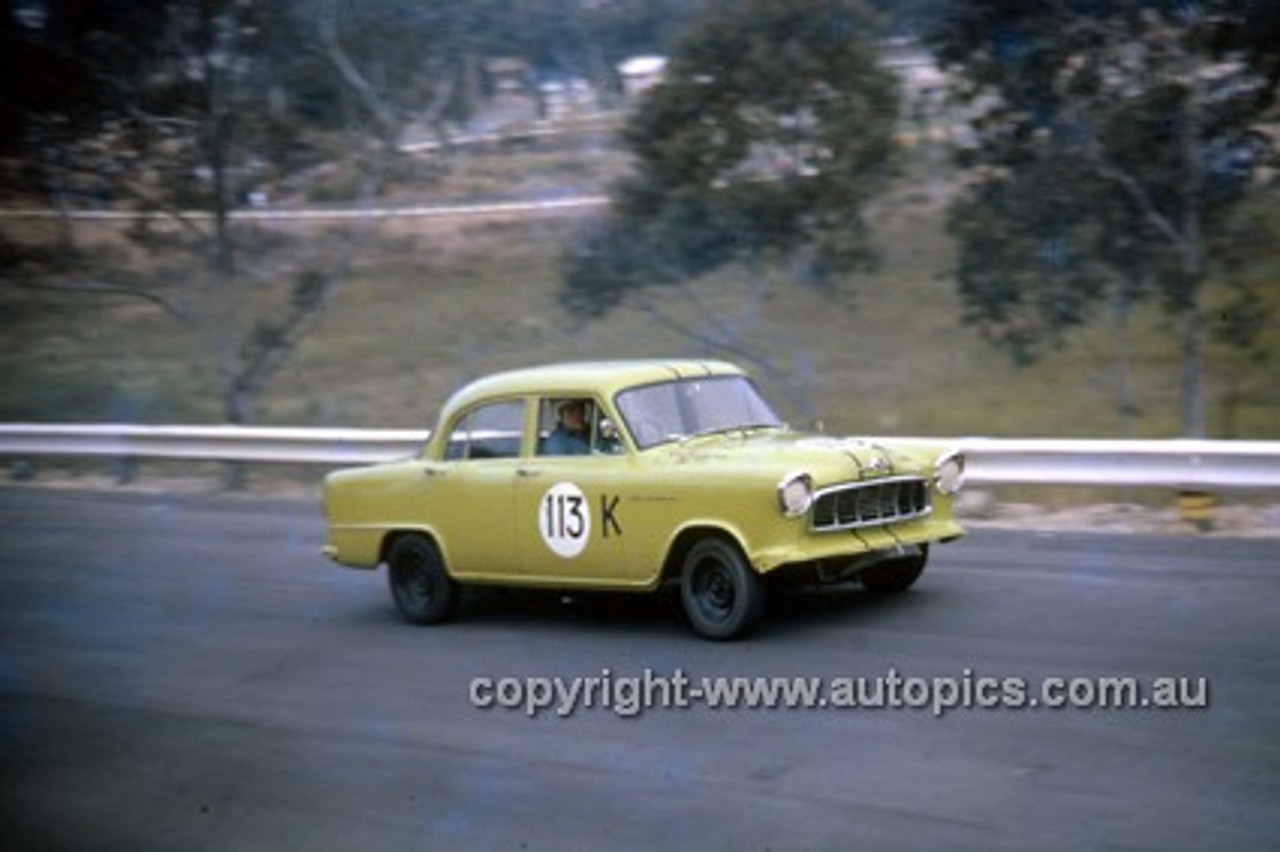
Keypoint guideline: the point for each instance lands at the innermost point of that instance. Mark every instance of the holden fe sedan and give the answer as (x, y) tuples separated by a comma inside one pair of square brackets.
[(629, 475)]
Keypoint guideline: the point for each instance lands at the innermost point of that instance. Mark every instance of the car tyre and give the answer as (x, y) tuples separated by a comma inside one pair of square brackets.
[(895, 575), (421, 587), (723, 596)]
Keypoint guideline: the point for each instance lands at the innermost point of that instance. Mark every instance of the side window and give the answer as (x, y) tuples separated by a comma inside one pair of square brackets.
[(575, 426), (489, 432)]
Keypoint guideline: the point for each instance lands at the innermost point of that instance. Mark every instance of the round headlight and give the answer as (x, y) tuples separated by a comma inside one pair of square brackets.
[(948, 473), (795, 494)]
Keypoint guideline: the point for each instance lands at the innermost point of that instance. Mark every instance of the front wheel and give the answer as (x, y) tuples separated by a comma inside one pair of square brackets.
[(895, 575), (422, 589), (723, 597)]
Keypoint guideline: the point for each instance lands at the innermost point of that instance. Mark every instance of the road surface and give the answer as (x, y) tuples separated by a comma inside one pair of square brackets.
[(187, 673)]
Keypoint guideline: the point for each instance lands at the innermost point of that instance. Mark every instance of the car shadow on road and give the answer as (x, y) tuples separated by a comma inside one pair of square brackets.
[(548, 609), (790, 610), (840, 605)]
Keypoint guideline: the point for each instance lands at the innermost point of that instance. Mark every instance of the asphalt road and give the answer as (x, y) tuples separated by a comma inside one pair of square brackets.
[(187, 673)]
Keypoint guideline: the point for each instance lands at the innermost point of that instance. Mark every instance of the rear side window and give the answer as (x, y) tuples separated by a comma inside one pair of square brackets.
[(491, 431)]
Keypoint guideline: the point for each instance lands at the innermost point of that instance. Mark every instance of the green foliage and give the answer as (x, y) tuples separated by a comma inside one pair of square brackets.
[(1113, 141), (58, 63), (1126, 130), (769, 135), (1020, 267), (1246, 247)]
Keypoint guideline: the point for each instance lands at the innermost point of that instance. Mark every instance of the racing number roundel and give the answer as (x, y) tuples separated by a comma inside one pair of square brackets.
[(564, 519)]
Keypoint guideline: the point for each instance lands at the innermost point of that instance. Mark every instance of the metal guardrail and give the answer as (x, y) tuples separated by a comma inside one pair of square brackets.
[(1176, 464), (210, 443), (1182, 464)]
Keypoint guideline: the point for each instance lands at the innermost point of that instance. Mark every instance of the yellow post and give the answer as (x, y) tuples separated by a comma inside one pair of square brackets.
[(1196, 507)]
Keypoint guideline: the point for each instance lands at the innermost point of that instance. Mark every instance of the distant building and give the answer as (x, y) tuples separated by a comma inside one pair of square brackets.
[(506, 74), (640, 73), (560, 96), (924, 84)]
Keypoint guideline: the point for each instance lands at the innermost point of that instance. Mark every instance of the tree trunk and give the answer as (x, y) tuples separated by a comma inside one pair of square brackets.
[(1194, 263), (218, 140), (1122, 351), (238, 404), (1193, 390), (55, 184)]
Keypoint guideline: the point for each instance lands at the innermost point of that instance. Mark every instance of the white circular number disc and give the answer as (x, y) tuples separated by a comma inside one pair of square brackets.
[(564, 519)]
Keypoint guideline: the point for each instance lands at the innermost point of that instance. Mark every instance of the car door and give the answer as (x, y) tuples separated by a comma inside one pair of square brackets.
[(570, 520), (471, 492)]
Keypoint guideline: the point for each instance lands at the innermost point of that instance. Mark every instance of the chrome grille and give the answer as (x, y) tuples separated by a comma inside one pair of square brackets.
[(884, 501)]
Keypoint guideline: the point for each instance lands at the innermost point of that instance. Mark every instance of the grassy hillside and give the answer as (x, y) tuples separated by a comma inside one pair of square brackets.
[(426, 306)]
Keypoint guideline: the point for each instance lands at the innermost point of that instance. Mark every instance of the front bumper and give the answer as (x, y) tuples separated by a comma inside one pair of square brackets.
[(843, 546)]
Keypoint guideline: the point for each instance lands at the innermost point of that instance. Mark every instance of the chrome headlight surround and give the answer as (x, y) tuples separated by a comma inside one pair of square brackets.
[(948, 472), (795, 494)]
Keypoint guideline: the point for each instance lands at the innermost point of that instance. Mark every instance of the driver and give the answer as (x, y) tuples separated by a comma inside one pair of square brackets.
[(571, 436)]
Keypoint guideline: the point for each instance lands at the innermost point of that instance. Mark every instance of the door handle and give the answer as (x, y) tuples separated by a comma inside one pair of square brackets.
[(528, 472)]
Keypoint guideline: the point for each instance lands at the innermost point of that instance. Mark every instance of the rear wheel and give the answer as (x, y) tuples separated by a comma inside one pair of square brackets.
[(422, 589), (895, 575), (723, 597)]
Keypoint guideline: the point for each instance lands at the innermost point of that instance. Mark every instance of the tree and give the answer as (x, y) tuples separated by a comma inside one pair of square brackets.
[(60, 62), (910, 18), (771, 132), (177, 109), (172, 103), (1113, 141), (400, 61)]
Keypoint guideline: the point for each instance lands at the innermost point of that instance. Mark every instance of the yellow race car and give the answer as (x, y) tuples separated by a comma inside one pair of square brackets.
[(626, 475)]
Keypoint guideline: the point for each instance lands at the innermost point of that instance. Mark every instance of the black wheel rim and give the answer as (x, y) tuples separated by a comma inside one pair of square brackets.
[(413, 584), (713, 591)]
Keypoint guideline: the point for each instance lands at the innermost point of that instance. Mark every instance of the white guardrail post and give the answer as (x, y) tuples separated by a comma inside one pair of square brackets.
[(1183, 465)]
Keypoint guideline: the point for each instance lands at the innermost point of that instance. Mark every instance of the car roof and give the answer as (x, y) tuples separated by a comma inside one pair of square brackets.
[(601, 377)]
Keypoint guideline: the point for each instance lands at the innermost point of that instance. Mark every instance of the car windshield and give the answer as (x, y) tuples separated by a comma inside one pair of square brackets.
[(670, 411)]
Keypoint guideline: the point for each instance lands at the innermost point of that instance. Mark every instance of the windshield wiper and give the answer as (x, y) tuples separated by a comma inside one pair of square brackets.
[(756, 427)]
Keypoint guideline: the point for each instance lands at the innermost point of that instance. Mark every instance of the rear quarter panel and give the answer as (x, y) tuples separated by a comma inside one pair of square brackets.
[(363, 504)]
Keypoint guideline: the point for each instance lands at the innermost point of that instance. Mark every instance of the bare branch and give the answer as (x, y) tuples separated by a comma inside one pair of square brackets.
[(331, 47), (266, 357), (100, 288), (723, 342), (1138, 193)]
